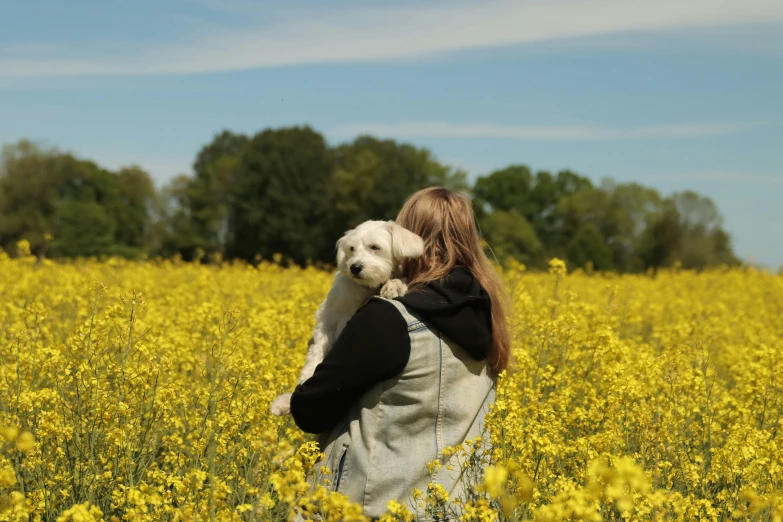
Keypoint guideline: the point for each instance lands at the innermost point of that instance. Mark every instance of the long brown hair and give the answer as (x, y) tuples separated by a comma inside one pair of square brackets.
[(445, 221)]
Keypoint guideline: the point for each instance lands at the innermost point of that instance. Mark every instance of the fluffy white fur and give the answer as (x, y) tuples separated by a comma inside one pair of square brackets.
[(368, 259)]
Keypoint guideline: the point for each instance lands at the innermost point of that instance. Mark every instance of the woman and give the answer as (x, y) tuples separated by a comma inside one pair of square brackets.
[(410, 376)]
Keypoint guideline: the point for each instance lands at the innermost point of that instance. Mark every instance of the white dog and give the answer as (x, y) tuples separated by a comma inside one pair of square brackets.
[(368, 259)]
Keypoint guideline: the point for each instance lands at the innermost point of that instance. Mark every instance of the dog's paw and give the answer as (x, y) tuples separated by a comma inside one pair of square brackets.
[(393, 288), (281, 405)]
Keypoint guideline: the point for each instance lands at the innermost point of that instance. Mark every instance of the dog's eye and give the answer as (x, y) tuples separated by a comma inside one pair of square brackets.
[(352, 249), (375, 247)]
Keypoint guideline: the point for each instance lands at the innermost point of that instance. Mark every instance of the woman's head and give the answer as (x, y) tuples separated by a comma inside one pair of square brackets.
[(444, 219)]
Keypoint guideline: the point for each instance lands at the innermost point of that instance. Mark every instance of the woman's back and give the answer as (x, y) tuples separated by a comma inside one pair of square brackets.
[(440, 399)]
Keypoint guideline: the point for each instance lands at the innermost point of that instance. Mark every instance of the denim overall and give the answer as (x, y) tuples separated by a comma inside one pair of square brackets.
[(379, 451)]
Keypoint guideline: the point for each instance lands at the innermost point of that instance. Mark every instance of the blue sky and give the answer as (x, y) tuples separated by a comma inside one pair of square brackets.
[(675, 95)]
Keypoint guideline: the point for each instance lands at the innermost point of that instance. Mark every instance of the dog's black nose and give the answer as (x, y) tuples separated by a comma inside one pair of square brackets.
[(356, 268)]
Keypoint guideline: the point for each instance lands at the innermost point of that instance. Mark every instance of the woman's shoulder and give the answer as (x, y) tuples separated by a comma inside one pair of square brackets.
[(380, 312), (387, 307)]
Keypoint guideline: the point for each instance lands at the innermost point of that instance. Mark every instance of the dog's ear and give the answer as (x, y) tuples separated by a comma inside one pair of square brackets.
[(340, 250), (404, 243)]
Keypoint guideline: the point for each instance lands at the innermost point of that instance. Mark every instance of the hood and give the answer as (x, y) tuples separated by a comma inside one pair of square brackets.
[(459, 308)]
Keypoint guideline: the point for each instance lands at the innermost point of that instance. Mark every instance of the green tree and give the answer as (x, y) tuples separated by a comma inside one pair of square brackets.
[(618, 212), (131, 206), (84, 229), (174, 230), (506, 190), (278, 203), (545, 213), (704, 242), (211, 190), (372, 178), (509, 234), (286, 191), (537, 198), (661, 240), (589, 246), (28, 194), (88, 210), (722, 248)]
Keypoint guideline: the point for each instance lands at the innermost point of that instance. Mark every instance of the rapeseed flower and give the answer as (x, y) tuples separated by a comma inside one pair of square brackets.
[(137, 391)]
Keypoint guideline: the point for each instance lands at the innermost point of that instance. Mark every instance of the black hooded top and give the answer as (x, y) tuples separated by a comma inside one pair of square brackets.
[(374, 346)]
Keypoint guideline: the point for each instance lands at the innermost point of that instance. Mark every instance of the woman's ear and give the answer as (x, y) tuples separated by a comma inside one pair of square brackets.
[(404, 243)]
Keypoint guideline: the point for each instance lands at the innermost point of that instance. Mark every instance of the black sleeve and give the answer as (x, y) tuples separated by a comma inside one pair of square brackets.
[(373, 346)]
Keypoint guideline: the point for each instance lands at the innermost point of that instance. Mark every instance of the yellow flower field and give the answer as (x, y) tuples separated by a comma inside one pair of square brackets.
[(140, 391)]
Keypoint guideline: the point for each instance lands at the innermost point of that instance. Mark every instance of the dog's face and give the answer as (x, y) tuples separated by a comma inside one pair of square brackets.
[(370, 253)]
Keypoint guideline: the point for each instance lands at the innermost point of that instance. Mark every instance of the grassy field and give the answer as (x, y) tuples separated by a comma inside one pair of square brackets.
[(140, 391)]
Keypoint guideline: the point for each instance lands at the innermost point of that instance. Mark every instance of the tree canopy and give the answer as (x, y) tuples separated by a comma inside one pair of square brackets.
[(287, 191)]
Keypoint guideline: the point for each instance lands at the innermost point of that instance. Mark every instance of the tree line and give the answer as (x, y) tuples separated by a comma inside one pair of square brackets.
[(286, 191)]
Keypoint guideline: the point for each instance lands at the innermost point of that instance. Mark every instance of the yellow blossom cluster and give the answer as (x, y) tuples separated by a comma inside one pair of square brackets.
[(140, 391)]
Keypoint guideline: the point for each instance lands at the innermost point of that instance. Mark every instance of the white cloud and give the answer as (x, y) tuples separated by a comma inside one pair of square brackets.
[(537, 132), (326, 34)]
